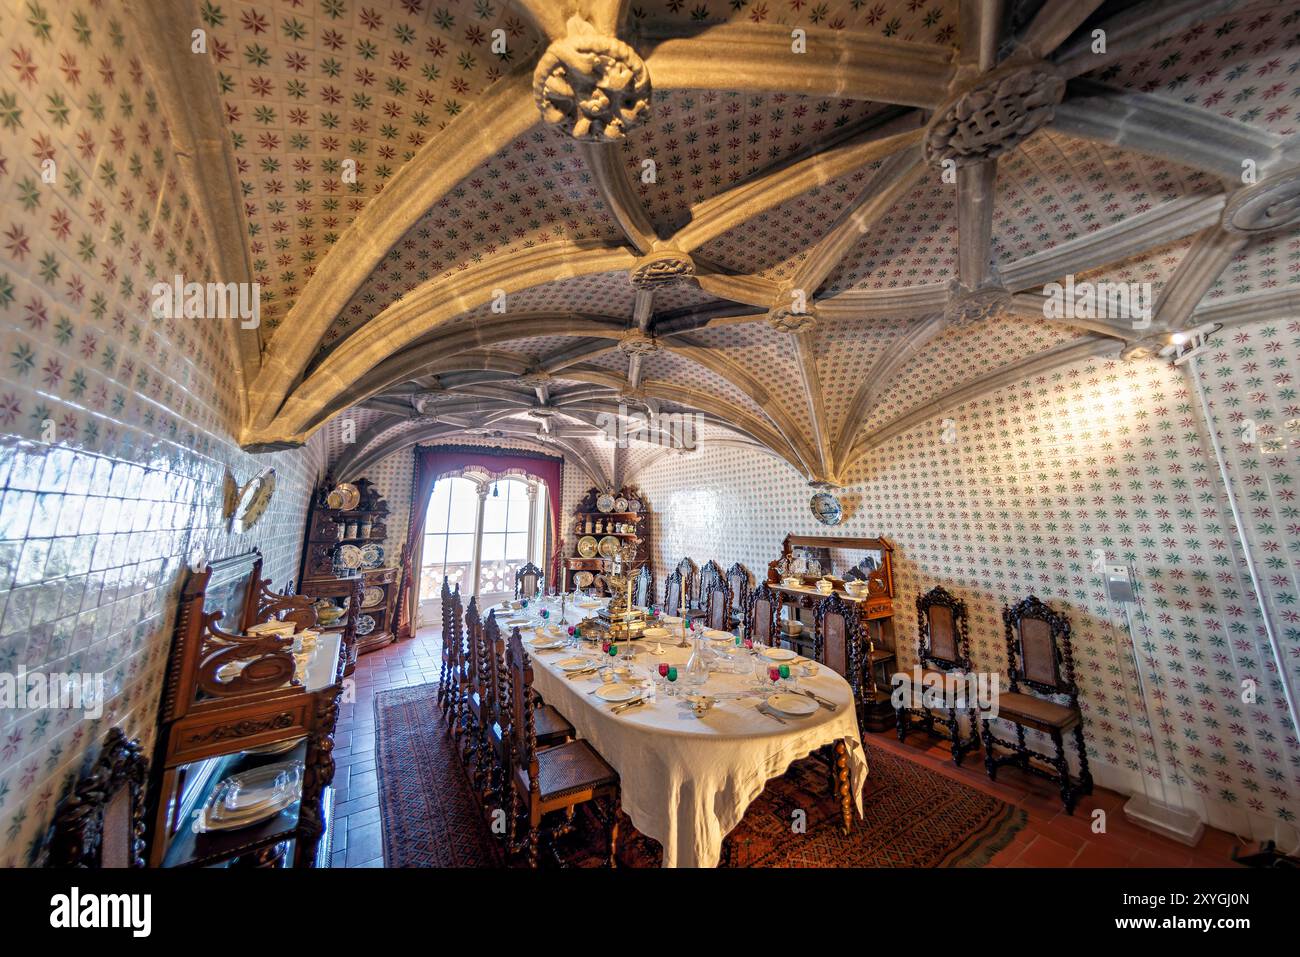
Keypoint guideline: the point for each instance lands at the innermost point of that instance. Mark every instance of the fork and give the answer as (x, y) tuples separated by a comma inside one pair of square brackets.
[(619, 709), (763, 709)]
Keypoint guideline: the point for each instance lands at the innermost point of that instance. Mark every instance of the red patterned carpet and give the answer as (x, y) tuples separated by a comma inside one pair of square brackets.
[(914, 816)]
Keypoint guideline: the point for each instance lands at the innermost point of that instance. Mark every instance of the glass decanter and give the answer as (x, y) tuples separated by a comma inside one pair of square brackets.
[(696, 671)]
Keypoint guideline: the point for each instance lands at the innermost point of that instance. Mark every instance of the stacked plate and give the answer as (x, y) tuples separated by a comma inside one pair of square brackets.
[(246, 798)]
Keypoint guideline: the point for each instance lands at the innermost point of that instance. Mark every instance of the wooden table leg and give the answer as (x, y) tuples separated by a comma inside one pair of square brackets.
[(842, 785)]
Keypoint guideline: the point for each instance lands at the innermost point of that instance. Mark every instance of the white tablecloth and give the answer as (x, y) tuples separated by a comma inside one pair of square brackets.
[(686, 781)]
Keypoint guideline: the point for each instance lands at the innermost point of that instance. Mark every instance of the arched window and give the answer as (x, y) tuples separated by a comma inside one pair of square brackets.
[(478, 531)]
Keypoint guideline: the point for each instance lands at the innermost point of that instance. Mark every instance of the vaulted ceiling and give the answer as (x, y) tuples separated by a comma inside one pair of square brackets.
[(814, 224)]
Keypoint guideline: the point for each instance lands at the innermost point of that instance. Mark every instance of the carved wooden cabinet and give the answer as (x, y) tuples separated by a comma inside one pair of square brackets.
[(868, 560), (590, 521), (232, 702), (374, 612)]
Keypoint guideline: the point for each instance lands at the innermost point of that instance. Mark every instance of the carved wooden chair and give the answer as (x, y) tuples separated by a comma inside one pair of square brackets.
[(643, 589), (690, 578), (739, 581), (943, 648), (551, 726), (450, 660), (474, 750), (557, 779), (530, 582), (1040, 659), (760, 616), (837, 643), (673, 593), (102, 822), (453, 644), (710, 575), (716, 602)]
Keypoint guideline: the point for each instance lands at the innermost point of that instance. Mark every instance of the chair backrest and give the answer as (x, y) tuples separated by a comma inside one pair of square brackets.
[(447, 645), (523, 730), (101, 823), (496, 706), (473, 650), (710, 575), (942, 639), (837, 638), (717, 606), (689, 580), (529, 581), (738, 581), (643, 587), (673, 593), (760, 615), (454, 632), (1038, 648)]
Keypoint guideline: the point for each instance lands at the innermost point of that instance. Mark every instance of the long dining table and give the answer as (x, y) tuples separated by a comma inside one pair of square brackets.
[(687, 774)]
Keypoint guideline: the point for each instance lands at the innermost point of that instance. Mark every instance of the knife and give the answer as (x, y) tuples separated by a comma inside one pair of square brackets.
[(619, 709), (828, 705)]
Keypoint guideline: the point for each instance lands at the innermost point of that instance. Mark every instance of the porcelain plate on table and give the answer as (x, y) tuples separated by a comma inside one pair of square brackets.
[(792, 704), (616, 692), (714, 634), (778, 654), (572, 664)]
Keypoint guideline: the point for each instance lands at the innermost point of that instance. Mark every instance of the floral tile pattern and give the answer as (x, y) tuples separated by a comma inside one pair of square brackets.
[(114, 425)]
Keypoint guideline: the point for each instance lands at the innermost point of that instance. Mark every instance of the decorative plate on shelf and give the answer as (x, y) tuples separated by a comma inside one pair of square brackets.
[(583, 579), (349, 496), (608, 547), (826, 508), (620, 505), (587, 547), (605, 503), (371, 596), (365, 625), (350, 556), (372, 555), (634, 505)]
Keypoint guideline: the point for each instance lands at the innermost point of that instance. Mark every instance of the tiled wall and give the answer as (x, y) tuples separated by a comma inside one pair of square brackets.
[(1096, 455), (115, 427)]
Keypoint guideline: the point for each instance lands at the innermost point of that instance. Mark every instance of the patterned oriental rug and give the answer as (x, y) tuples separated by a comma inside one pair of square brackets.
[(915, 817)]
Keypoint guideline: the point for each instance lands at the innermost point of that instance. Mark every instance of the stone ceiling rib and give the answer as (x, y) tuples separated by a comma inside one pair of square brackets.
[(434, 335), (751, 57)]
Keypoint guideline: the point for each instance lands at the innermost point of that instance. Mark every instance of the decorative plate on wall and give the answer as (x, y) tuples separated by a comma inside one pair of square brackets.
[(372, 555), (826, 508), (605, 503), (350, 556), (587, 547), (254, 499), (634, 505), (583, 579)]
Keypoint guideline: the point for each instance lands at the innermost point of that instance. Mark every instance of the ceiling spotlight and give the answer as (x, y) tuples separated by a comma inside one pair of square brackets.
[(1178, 338)]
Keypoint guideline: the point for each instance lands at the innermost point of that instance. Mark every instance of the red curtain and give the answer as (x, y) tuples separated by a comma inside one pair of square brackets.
[(433, 462)]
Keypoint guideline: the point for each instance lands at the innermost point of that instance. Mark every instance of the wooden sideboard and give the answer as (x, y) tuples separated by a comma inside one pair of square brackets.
[(588, 516), (875, 609), (235, 702)]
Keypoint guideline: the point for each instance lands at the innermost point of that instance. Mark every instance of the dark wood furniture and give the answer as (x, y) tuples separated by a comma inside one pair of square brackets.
[(673, 593), (715, 602), (625, 526), (1040, 659), (740, 582), (102, 822), (942, 648), (324, 577), (761, 610), (837, 643), (530, 582), (228, 696), (454, 686), (556, 779), (643, 587), (875, 608), (690, 584)]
